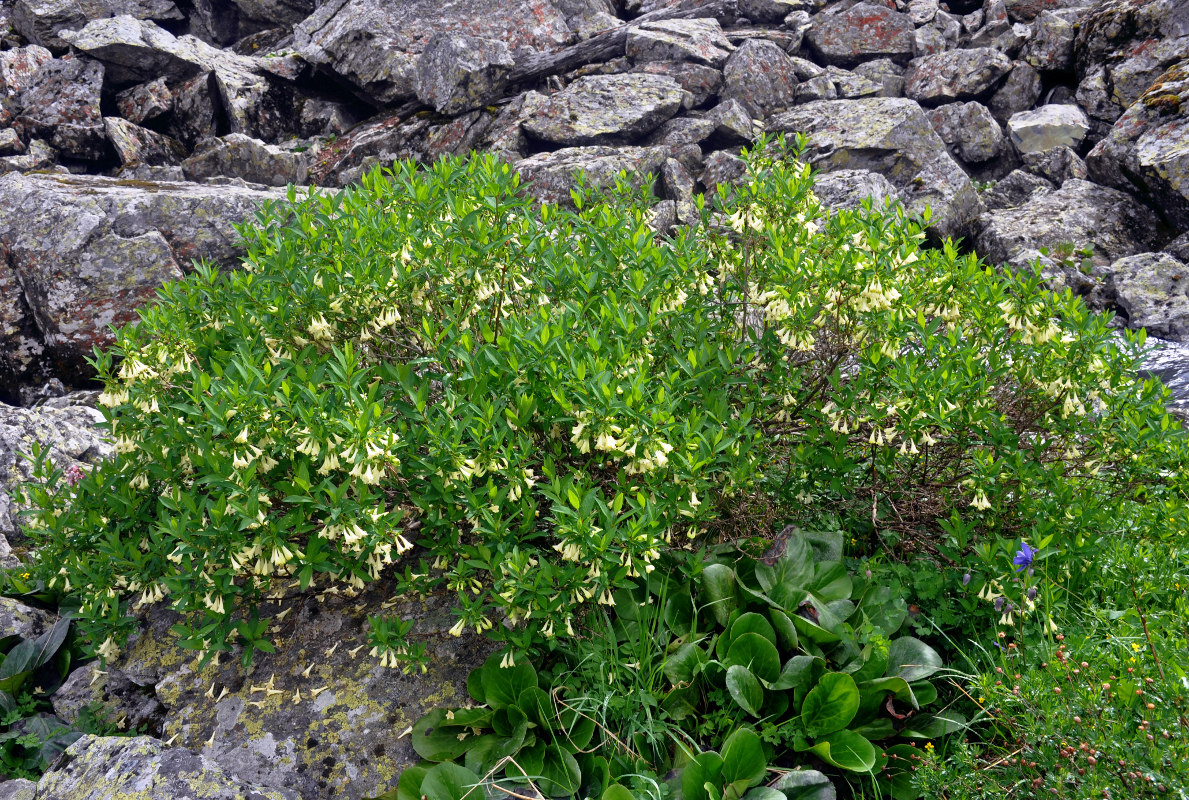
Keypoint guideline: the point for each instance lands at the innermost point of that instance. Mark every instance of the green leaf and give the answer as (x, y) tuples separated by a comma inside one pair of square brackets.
[(752, 623), (846, 750), (805, 784), (450, 782), (743, 758), (502, 686), (757, 653), (763, 793), (560, 775), (719, 586), (786, 632), (434, 739), (617, 791), (933, 726), (745, 689), (705, 769), (408, 786), (911, 659), (896, 778), (830, 705), (799, 674), (683, 663)]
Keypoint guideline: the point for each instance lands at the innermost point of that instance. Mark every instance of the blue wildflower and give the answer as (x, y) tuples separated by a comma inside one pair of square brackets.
[(1024, 557)]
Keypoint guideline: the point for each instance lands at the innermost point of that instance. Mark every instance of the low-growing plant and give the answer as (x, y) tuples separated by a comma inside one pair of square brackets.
[(546, 398)]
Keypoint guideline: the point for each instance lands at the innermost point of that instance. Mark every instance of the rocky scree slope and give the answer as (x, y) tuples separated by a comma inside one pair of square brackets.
[(134, 133)]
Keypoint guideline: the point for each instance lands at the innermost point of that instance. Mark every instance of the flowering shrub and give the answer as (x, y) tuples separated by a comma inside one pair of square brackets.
[(542, 399)]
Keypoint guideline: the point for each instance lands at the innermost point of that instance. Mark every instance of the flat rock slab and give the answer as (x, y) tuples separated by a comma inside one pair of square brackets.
[(1079, 213), (61, 105), (606, 109), (82, 253), (40, 21), (459, 73), (701, 41), (18, 619), (103, 767), (891, 136), (550, 177), (374, 44), (861, 33), (1147, 150), (967, 74), (848, 188), (1047, 127)]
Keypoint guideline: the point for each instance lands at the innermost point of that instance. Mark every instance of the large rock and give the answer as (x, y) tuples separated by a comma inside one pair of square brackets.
[(606, 109), (891, 136), (136, 145), (81, 253), (701, 81), (134, 51), (107, 767), (1123, 46), (1079, 214), (461, 73), (1029, 10), (861, 33), (848, 188), (318, 718), (1152, 289), (955, 75), (1147, 150), (1047, 127), (762, 77), (1051, 45), (65, 431), (18, 619), (239, 156), (61, 105), (969, 129), (549, 177), (698, 40), (223, 22), (1018, 92), (145, 102), (40, 21), (375, 44), (19, 65)]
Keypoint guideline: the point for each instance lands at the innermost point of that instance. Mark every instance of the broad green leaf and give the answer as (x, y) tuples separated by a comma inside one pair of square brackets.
[(758, 654), (786, 632), (896, 779), (683, 663), (763, 793), (502, 686), (705, 769), (847, 750), (933, 726), (752, 623), (830, 705), (743, 758), (745, 689), (435, 739), (617, 791), (450, 782), (805, 784), (831, 582), (799, 674), (911, 659), (408, 786), (560, 776), (718, 584)]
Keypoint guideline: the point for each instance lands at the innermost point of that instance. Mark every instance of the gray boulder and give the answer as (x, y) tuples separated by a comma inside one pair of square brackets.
[(18, 619), (134, 51), (733, 125), (1079, 214), (701, 41), (549, 177), (861, 33), (37, 156), (239, 156), (891, 136), (1018, 92), (124, 702), (702, 82), (848, 188), (18, 789), (66, 433), (1029, 10), (1152, 289), (1015, 189), (145, 102), (19, 65), (849, 85), (885, 72), (606, 109), (10, 143), (722, 168), (955, 75), (83, 252), (762, 77), (224, 22), (1147, 150), (1057, 164), (374, 45), (102, 767), (1123, 46), (769, 11), (61, 105), (1051, 45), (136, 145), (459, 73), (41, 21), (969, 129), (1047, 127)]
